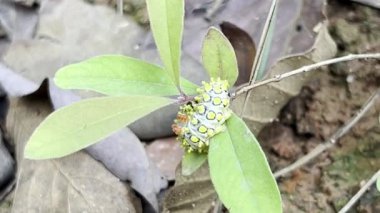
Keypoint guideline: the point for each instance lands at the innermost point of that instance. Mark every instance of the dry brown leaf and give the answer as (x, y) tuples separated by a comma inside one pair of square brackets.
[(194, 193), (266, 101), (244, 47)]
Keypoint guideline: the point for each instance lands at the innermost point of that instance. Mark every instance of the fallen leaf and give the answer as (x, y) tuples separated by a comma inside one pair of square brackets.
[(76, 183), (266, 101), (244, 47), (194, 193)]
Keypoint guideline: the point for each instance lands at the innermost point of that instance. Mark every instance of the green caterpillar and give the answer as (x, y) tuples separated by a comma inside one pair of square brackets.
[(202, 118)]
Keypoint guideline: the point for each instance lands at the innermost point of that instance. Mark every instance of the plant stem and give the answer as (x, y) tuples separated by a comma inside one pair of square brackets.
[(259, 56), (360, 193), (277, 78), (120, 7), (332, 140)]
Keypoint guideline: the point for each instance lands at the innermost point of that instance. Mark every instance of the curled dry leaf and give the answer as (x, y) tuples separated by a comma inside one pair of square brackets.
[(266, 101), (244, 47)]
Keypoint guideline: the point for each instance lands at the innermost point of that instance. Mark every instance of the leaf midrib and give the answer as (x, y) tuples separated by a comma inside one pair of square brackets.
[(169, 43), (133, 81), (240, 168), (95, 123)]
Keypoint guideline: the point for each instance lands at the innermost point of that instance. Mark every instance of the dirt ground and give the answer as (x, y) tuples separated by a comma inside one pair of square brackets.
[(325, 104)]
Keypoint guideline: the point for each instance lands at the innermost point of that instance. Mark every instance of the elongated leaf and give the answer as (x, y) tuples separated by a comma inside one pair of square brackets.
[(218, 56), (166, 21), (118, 75), (378, 184), (83, 123), (191, 162), (261, 60), (240, 172)]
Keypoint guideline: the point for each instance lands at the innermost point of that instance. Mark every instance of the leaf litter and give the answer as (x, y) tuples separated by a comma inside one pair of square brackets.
[(300, 175), (323, 105)]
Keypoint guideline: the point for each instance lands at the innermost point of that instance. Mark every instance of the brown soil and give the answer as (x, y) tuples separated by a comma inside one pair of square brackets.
[(324, 105)]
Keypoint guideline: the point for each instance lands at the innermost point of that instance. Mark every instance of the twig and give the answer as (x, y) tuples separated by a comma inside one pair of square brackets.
[(357, 196), (304, 69), (259, 56), (218, 207), (332, 140), (120, 6)]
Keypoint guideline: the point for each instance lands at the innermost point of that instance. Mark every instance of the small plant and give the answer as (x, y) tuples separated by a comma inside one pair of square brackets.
[(205, 125)]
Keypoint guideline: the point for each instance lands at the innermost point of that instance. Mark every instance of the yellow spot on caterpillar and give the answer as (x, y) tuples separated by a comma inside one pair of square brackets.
[(194, 121), (211, 115), (206, 97), (194, 139), (210, 132), (216, 101), (202, 129), (219, 117), (201, 109)]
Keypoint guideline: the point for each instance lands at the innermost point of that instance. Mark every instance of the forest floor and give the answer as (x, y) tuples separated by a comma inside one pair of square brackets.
[(324, 105)]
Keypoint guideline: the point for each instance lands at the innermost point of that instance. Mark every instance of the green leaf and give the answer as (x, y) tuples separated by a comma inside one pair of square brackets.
[(218, 57), (191, 162), (83, 123), (166, 21), (118, 75), (262, 57), (378, 184), (240, 172)]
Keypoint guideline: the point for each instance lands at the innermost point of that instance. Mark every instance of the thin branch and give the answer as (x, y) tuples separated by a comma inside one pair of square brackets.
[(304, 69), (259, 56), (360, 193), (332, 140), (120, 6)]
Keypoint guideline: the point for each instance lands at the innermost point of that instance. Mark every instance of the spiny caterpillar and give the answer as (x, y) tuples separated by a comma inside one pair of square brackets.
[(202, 118)]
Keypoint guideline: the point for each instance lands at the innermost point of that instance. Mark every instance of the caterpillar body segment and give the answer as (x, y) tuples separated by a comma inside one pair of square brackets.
[(203, 118)]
